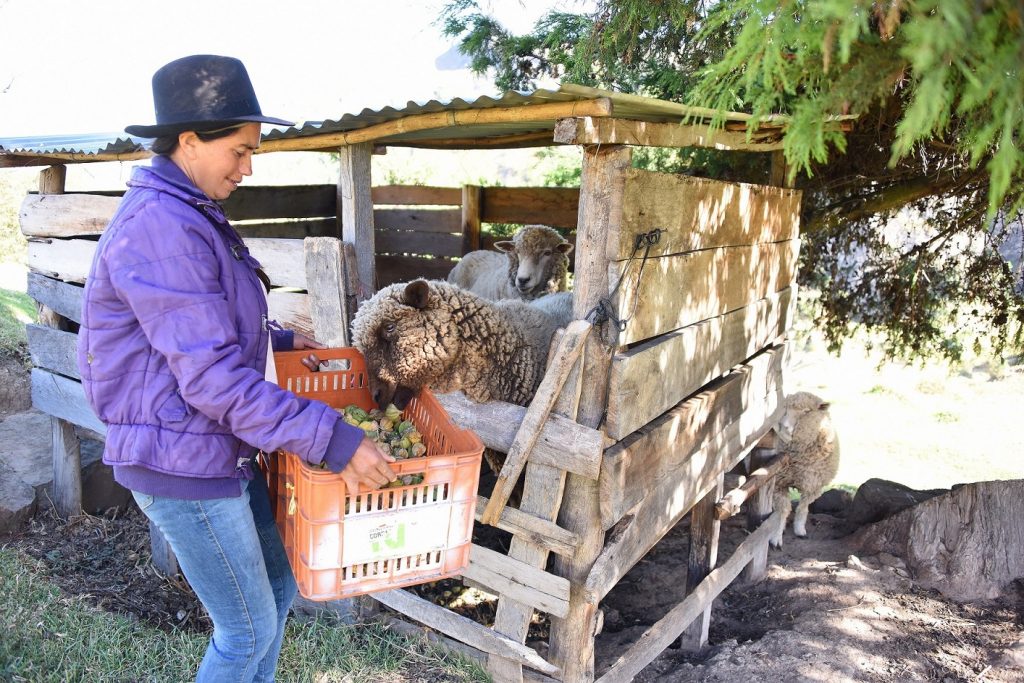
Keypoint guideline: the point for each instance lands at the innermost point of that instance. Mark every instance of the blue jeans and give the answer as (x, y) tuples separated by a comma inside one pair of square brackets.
[(232, 555)]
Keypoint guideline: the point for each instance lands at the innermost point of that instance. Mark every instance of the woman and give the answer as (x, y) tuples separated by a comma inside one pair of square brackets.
[(173, 348)]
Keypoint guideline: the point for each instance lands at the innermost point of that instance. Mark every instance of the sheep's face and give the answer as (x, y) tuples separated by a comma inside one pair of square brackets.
[(805, 415), (535, 255), (408, 335)]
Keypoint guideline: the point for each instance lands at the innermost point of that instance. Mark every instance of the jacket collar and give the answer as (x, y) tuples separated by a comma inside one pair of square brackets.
[(165, 176)]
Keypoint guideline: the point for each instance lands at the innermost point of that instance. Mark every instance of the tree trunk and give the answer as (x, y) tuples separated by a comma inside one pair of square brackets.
[(968, 543)]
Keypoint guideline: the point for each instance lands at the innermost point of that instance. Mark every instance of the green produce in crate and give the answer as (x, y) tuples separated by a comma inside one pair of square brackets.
[(394, 436)]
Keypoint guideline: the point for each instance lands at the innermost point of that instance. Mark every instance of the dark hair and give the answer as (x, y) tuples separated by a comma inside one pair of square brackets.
[(166, 144)]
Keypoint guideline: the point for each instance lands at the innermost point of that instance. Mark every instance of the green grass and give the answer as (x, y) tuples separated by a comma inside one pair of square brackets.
[(16, 310), (48, 636), (925, 426)]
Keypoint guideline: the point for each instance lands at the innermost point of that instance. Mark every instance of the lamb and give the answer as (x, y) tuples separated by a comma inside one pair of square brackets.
[(807, 435), (535, 263), (438, 335)]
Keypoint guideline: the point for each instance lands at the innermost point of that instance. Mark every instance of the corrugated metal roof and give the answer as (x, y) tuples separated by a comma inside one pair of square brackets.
[(112, 146)]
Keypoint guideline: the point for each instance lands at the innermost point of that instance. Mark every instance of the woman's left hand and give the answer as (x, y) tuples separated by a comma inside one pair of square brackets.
[(301, 342)]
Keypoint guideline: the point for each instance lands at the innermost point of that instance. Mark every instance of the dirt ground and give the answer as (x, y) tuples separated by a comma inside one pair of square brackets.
[(818, 616)]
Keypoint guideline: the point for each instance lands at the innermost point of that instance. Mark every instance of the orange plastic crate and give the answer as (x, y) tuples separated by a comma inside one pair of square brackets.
[(341, 544)]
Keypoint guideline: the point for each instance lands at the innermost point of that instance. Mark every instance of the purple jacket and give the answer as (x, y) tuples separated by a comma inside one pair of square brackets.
[(173, 344)]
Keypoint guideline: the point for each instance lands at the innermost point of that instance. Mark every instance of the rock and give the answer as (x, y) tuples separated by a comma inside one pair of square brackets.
[(835, 502), (853, 562), (968, 544), (887, 560), (877, 499), (27, 465)]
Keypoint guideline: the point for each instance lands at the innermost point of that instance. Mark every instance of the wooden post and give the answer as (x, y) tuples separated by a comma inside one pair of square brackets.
[(704, 529), (759, 508), (160, 550), (600, 219), (355, 213), (325, 281), (777, 176), (67, 453), (472, 198)]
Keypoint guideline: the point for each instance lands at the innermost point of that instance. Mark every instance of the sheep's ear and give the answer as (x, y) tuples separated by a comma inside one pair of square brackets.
[(505, 245), (824, 405), (416, 294), (564, 247)]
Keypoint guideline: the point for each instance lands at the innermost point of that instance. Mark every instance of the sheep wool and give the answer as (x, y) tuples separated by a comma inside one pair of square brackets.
[(807, 435), (435, 334), (535, 262)]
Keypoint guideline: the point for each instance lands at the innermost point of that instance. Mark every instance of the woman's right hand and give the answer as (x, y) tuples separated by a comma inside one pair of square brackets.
[(368, 469)]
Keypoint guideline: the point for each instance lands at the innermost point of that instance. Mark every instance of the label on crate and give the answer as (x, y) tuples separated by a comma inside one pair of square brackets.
[(394, 534)]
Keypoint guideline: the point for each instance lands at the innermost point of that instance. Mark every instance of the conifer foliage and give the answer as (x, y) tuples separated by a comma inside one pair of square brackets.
[(937, 91)]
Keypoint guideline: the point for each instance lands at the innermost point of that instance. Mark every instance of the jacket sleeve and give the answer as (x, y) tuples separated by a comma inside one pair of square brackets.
[(172, 286)]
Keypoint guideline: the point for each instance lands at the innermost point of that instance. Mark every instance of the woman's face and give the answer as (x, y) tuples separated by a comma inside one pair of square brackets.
[(218, 166)]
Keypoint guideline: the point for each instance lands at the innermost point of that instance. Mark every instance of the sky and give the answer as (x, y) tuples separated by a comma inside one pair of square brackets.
[(85, 66)]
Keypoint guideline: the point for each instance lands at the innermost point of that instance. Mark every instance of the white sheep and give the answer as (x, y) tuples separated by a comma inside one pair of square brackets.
[(805, 432), (535, 262), (434, 334)]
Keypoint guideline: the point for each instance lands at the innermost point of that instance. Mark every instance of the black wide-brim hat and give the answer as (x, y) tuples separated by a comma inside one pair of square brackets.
[(202, 93)]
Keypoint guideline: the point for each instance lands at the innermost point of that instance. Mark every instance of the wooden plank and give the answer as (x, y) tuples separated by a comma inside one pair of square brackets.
[(635, 464), (569, 349), (163, 556), (443, 119), (355, 212), (701, 559), (759, 508), (679, 290), (69, 260), (610, 131), (67, 469), (410, 242), (659, 636), (563, 443), (65, 215), (463, 629), (472, 198), (554, 206), (600, 211), (391, 268), (64, 398), (53, 350), (672, 497), (292, 230), (261, 202), (326, 283), (421, 220), (696, 354), (503, 575), (416, 195), (699, 213), (62, 297), (540, 532), (487, 241)]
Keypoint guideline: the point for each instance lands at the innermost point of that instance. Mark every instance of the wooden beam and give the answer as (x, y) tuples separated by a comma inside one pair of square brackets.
[(536, 530), (521, 581), (699, 213), (62, 297), (543, 488), (600, 211), (757, 510), (636, 464), (569, 350), (23, 159), (52, 179), (613, 131), (471, 199), (563, 443), (557, 207), (421, 195), (659, 636), (463, 629), (687, 359), (702, 558), (424, 220), (731, 502), (53, 349), (671, 292), (355, 213), (670, 499), (444, 119)]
